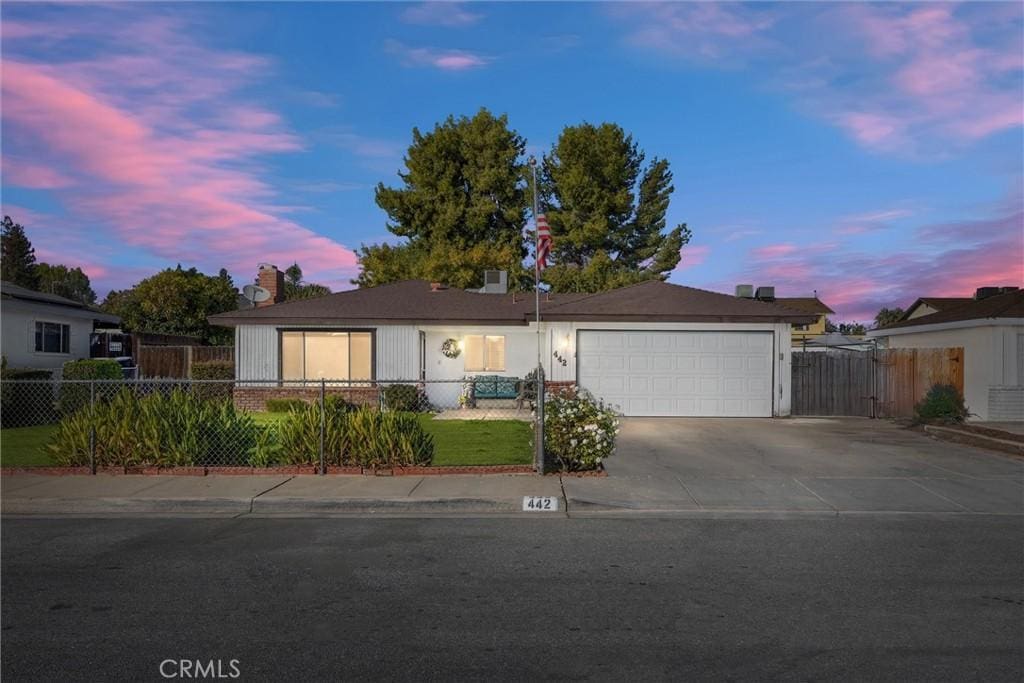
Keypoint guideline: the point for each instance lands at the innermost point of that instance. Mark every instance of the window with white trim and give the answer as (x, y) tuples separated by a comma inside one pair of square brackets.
[(53, 337), (484, 352)]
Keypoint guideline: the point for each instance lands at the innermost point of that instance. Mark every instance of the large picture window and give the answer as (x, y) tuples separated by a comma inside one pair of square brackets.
[(326, 355), (53, 338), (484, 352)]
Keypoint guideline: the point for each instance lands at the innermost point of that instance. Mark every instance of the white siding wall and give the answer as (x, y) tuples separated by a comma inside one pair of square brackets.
[(992, 358), (398, 352), (18, 336), (256, 352)]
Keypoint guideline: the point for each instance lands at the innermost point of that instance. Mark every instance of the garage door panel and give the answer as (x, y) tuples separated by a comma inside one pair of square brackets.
[(679, 373)]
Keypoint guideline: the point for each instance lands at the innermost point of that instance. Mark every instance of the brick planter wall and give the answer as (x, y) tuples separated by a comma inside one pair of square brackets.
[(255, 398), (558, 388)]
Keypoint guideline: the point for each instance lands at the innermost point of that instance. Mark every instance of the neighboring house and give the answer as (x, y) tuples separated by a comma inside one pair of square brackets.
[(649, 349), (41, 330), (933, 304), (990, 328), (807, 304), (833, 341)]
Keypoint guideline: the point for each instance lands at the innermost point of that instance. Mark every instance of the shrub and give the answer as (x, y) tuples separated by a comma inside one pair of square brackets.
[(942, 403), (405, 398), (363, 436), (579, 431), (214, 370), (161, 429), (389, 439), (75, 395), (284, 405), (28, 401)]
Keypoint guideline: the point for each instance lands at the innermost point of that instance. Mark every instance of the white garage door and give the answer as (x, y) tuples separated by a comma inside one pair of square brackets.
[(713, 374)]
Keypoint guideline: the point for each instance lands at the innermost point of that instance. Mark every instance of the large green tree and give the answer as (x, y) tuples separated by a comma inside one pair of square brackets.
[(176, 301), (18, 263), (460, 209), (70, 283), (295, 287), (607, 211)]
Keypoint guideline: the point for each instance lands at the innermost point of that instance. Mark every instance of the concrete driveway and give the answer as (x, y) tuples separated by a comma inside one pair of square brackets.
[(845, 465)]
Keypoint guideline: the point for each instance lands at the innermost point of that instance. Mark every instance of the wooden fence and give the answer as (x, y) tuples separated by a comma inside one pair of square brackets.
[(176, 361), (881, 383)]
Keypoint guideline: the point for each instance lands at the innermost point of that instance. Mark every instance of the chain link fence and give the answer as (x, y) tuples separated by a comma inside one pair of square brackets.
[(163, 423)]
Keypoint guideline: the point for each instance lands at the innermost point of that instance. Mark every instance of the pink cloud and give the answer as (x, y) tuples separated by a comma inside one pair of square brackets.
[(693, 256), (32, 175), (898, 78), (440, 13), (773, 251), (446, 60), (170, 153)]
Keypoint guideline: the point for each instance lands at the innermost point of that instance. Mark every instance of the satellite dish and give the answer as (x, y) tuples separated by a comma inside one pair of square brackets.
[(255, 293)]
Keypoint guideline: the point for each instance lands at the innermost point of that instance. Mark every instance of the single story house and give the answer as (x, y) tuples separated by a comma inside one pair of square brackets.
[(990, 328), (44, 331), (649, 349)]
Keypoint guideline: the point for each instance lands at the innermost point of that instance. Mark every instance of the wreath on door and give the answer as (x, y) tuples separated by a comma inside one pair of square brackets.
[(450, 348)]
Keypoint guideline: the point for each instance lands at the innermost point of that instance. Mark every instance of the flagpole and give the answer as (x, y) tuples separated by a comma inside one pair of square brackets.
[(536, 261), (538, 454)]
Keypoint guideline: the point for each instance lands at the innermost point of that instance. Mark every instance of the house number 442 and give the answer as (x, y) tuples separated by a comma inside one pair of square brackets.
[(540, 504)]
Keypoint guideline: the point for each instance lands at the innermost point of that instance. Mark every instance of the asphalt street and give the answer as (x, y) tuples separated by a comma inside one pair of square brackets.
[(919, 597)]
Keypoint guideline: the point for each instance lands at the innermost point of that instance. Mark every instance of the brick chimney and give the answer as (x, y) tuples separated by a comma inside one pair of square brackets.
[(272, 280)]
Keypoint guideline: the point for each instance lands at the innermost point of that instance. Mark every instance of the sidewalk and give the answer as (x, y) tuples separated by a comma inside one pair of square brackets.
[(231, 495)]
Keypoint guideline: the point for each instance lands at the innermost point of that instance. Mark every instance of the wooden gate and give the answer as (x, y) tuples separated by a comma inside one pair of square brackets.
[(880, 383), (833, 382)]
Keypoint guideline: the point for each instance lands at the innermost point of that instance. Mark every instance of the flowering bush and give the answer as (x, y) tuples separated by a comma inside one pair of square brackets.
[(579, 431)]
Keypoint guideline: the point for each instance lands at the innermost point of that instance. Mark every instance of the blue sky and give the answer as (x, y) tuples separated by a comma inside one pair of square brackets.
[(870, 152)]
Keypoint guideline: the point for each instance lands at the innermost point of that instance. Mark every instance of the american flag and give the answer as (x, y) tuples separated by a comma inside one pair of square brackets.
[(543, 242)]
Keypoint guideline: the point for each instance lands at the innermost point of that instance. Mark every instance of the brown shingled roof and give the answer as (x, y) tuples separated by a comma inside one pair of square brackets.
[(1009, 305), (939, 303), (413, 302), (810, 304)]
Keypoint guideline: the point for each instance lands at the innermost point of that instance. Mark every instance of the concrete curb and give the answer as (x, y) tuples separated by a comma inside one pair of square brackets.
[(291, 506), (973, 438), (107, 506)]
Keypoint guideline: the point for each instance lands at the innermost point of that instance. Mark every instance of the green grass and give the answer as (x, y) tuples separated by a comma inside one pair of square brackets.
[(479, 442), (25, 446)]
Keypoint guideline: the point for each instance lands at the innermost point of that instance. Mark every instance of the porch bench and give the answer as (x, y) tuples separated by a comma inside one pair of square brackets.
[(495, 386)]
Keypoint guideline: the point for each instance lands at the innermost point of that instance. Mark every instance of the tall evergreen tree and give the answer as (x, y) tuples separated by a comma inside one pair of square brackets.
[(18, 264), (607, 211), (461, 207)]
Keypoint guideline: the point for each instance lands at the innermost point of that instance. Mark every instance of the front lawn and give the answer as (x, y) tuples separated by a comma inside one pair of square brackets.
[(479, 442), (25, 446)]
